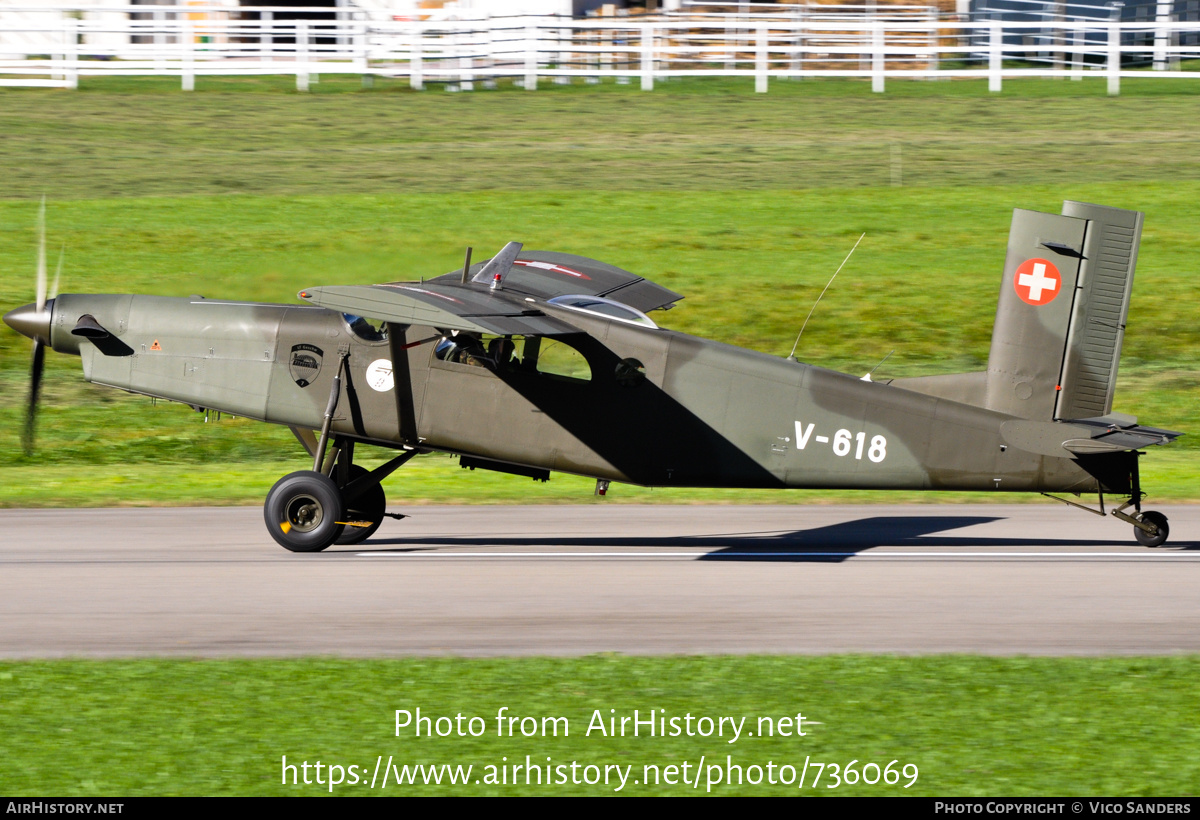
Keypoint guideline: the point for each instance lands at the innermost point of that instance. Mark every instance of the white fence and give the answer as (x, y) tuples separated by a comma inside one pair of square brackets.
[(181, 42)]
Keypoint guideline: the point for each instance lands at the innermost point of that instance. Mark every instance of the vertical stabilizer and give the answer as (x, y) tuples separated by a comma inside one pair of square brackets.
[(1061, 314), (1041, 270)]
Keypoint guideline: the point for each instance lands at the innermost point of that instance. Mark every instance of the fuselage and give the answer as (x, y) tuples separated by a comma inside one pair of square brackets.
[(631, 403)]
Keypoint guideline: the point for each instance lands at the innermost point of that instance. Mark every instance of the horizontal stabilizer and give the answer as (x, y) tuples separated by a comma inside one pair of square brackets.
[(445, 307), (1118, 432), (1107, 434)]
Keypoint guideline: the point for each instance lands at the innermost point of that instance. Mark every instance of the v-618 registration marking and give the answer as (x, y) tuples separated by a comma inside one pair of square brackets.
[(844, 441)]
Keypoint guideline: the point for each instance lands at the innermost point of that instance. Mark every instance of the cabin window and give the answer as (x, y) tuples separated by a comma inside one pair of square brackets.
[(555, 358), (531, 354), (364, 330)]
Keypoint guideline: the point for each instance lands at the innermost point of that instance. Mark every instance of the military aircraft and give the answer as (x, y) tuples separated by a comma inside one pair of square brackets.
[(534, 362)]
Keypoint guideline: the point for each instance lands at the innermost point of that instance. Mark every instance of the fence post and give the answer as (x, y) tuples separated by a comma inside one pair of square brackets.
[(416, 75), (531, 57), (877, 57), (995, 55), (465, 43), (187, 42), (564, 59), (593, 39), (760, 58), (312, 47), (935, 51), (798, 56), (648, 58), (361, 64), (1077, 52), (1162, 17), (266, 20), (160, 40), (71, 54), (1114, 59), (489, 61), (301, 55)]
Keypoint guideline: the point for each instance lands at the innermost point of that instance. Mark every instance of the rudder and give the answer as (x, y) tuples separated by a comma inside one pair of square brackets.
[(1097, 330)]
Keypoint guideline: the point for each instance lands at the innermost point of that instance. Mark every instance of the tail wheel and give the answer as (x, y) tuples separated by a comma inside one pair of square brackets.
[(303, 511), (1160, 524), (368, 508)]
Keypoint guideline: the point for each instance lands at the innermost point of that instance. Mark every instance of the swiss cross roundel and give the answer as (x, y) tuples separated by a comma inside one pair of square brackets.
[(1037, 281)]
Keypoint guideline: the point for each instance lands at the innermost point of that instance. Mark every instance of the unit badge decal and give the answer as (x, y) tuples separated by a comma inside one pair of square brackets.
[(305, 364)]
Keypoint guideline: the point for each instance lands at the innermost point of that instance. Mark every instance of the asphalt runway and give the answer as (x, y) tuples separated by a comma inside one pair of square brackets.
[(561, 580)]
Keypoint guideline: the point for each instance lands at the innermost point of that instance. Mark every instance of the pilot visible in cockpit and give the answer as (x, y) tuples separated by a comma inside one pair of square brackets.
[(462, 349)]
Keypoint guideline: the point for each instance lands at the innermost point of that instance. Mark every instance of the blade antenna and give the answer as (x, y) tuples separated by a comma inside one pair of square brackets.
[(466, 265), (867, 377), (792, 355)]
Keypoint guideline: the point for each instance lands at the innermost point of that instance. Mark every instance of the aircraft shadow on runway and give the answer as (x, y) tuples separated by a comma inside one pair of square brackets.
[(832, 544)]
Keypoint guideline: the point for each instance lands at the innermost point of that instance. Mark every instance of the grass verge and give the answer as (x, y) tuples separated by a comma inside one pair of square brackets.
[(970, 725)]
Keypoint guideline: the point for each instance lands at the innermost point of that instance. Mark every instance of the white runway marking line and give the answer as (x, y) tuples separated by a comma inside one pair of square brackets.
[(730, 555)]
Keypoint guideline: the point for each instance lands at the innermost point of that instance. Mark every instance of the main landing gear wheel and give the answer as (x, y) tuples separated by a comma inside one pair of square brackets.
[(368, 507), (303, 511), (1160, 524)]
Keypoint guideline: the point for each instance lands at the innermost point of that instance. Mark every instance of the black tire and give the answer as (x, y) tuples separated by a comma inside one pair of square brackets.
[(303, 510), (369, 506), (1159, 538)]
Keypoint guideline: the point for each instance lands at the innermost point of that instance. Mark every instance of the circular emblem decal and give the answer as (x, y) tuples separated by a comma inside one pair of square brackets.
[(1037, 281), (379, 375)]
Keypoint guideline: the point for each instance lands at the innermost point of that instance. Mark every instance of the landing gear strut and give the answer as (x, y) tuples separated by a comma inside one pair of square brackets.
[(1150, 528), (337, 501), (310, 510)]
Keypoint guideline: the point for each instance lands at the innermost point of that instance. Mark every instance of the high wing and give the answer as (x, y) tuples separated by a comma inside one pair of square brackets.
[(545, 274), (446, 306), (470, 302)]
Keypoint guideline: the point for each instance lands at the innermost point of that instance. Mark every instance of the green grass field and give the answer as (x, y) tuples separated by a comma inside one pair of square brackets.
[(969, 726), (745, 203)]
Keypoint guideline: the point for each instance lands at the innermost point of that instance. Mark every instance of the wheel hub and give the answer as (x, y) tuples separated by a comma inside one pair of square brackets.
[(304, 513)]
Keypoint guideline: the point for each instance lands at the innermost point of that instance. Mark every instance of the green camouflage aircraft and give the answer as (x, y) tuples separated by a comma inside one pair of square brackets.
[(536, 362)]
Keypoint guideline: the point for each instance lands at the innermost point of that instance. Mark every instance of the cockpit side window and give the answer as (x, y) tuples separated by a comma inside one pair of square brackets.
[(462, 349), (532, 354), (364, 330)]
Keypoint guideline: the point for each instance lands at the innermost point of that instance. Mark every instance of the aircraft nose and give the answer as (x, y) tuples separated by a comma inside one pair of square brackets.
[(31, 322)]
